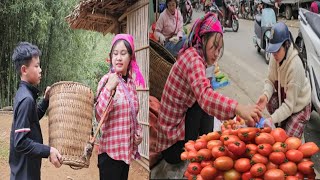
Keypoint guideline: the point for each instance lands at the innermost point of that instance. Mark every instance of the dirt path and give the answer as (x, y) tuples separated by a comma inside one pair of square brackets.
[(48, 171)]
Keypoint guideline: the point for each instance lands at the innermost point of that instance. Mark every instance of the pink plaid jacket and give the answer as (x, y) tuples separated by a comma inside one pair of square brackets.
[(117, 131), (186, 84)]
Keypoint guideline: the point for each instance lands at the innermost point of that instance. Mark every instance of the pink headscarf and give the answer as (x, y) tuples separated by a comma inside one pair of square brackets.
[(206, 24), (134, 71)]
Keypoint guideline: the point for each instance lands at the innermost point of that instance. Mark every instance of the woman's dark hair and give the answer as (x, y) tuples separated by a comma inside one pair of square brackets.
[(206, 38), (176, 1), (23, 54), (129, 49)]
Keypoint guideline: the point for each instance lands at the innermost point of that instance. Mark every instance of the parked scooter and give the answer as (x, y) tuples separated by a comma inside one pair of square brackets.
[(308, 41), (231, 21), (262, 27), (186, 11)]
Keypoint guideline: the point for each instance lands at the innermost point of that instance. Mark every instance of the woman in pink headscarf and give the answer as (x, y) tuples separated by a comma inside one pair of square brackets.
[(188, 98), (121, 133)]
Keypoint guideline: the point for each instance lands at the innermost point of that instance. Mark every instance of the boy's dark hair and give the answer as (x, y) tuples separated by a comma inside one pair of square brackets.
[(23, 54)]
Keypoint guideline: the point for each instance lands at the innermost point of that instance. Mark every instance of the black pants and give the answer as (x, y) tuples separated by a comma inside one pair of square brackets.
[(197, 123), (110, 169)]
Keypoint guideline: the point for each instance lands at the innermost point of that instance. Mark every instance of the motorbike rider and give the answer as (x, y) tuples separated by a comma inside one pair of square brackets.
[(220, 5), (287, 90), (227, 14)]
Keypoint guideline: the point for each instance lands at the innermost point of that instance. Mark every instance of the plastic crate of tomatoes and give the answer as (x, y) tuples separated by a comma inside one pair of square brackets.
[(249, 154)]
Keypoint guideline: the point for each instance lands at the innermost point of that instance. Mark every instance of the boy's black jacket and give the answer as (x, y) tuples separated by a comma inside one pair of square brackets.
[(26, 148)]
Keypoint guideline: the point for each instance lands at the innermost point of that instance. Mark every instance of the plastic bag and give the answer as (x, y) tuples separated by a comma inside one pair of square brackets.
[(265, 121), (216, 124)]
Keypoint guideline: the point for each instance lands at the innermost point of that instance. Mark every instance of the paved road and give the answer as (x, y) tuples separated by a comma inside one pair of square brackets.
[(247, 71)]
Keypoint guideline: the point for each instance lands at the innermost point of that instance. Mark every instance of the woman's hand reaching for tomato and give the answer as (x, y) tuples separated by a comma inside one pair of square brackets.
[(250, 113)]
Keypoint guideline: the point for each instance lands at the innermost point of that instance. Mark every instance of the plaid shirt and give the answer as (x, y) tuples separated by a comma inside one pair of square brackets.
[(294, 124), (186, 84), (117, 131)]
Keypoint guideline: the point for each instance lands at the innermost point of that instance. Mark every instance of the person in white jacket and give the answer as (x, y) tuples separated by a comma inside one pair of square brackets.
[(287, 90)]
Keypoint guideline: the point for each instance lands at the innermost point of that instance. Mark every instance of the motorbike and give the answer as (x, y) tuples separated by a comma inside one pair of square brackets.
[(196, 4), (246, 9), (215, 9), (186, 11), (231, 21), (262, 29), (308, 41)]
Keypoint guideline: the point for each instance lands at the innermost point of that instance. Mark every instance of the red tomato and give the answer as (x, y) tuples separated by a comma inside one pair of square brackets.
[(280, 146), (277, 157), (218, 151), (274, 174), (206, 163), (223, 163), (208, 172), (251, 149), (201, 144), (194, 168), (305, 159), (264, 138), (258, 158), (271, 165), (306, 167), (219, 176), (308, 149), (230, 139), (187, 174), (242, 165), (202, 138), (192, 156), (189, 146), (237, 148), (294, 155), (258, 170), (184, 156), (264, 149), (199, 177), (246, 176), (213, 143), (265, 130), (232, 175), (292, 178), (299, 175), (311, 176), (192, 177), (226, 132), (231, 155), (293, 143), (213, 136), (204, 154), (289, 168), (279, 134), (247, 134)]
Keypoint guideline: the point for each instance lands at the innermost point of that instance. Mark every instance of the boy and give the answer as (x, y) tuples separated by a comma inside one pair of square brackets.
[(26, 143)]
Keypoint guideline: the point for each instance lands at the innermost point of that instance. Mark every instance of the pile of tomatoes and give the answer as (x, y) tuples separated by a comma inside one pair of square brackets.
[(249, 153), (232, 124)]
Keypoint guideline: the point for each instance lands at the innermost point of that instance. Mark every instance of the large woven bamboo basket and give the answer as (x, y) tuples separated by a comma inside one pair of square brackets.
[(159, 69), (70, 115)]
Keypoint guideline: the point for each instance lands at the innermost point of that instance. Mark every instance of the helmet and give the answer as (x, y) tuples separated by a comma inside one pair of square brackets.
[(279, 34)]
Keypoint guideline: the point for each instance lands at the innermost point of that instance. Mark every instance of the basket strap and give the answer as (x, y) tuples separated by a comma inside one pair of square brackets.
[(103, 117), (133, 110)]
